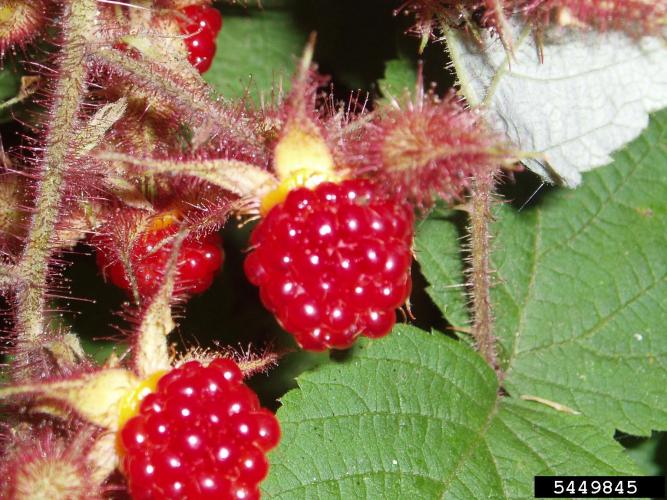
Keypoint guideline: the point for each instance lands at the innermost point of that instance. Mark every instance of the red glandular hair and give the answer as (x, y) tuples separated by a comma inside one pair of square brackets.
[(427, 13), (635, 17)]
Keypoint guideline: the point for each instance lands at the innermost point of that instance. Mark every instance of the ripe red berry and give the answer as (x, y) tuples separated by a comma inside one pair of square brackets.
[(201, 434), (199, 260), (333, 263), (203, 26), (204, 18), (201, 49)]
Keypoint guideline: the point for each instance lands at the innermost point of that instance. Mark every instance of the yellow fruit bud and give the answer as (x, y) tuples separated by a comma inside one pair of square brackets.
[(164, 220), (302, 159), (302, 150), (129, 405)]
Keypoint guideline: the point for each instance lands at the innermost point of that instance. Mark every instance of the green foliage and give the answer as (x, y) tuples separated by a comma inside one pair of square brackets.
[(9, 87), (399, 76), (440, 256), (650, 454), (257, 51), (418, 415), (580, 288), (9, 84)]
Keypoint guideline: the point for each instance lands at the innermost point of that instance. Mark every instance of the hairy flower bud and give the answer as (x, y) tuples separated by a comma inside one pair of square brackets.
[(45, 465), (20, 21), (425, 149)]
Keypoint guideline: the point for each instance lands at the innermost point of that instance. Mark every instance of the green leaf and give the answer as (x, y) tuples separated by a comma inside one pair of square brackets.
[(101, 350), (650, 454), (439, 256), (570, 99), (10, 82), (416, 415), (400, 76), (256, 49), (580, 290)]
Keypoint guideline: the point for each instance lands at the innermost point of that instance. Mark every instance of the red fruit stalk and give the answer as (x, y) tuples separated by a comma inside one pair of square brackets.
[(54, 166), (200, 434), (333, 263), (12, 193)]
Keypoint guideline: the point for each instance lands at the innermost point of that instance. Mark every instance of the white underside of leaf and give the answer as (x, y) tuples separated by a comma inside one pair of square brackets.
[(590, 97)]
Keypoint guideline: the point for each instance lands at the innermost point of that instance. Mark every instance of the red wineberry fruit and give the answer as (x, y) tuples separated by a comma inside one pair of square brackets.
[(202, 27), (201, 49), (204, 18), (198, 260), (333, 263), (200, 434)]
